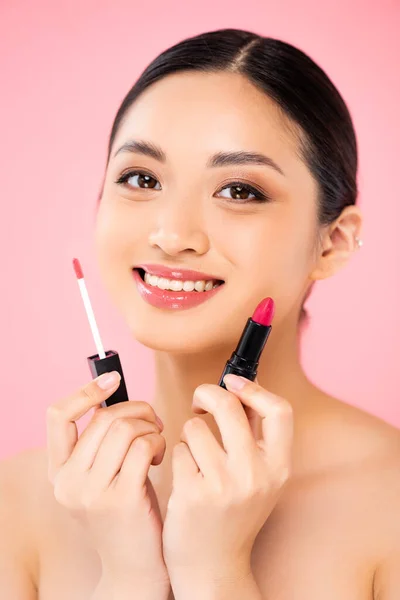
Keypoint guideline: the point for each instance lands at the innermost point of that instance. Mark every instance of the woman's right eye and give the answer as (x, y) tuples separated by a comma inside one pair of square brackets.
[(145, 180)]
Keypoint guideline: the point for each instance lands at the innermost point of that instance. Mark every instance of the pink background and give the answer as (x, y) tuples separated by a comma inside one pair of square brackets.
[(65, 67)]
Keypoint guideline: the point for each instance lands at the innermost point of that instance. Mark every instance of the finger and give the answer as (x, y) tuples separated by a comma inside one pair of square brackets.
[(277, 442), (205, 450), (143, 451), (87, 446), (62, 432), (254, 420), (230, 417), (276, 419), (184, 467), (114, 448)]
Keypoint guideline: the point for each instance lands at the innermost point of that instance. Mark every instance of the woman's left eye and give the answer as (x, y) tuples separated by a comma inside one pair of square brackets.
[(242, 190)]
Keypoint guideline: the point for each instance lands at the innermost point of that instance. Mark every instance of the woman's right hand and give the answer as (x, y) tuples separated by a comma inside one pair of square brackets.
[(102, 478)]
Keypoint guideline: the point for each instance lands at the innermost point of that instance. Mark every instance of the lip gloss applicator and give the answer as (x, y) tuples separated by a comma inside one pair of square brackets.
[(102, 362), (244, 360)]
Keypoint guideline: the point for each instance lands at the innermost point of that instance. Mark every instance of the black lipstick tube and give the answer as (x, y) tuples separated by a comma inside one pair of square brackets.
[(111, 362), (244, 360)]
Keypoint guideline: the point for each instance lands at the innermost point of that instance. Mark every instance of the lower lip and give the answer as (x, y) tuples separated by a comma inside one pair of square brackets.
[(171, 300)]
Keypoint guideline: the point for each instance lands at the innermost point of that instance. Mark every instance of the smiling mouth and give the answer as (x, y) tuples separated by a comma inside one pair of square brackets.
[(177, 285)]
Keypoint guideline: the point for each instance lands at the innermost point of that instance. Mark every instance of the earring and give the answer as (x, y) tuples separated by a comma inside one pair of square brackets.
[(359, 243)]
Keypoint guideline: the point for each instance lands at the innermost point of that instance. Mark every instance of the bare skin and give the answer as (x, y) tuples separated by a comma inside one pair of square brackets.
[(337, 521), (335, 530)]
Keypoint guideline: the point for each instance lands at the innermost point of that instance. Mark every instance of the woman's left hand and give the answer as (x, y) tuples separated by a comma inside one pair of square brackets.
[(221, 497)]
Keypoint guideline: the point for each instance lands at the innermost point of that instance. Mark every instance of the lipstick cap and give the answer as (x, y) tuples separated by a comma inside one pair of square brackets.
[(111, 362)]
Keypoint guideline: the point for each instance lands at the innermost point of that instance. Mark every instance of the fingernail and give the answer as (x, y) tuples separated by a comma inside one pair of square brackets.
[(235, 382), (108, 380), (160, 423)]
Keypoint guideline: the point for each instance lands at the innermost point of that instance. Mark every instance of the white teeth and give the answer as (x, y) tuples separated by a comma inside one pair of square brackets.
[(176, 285), (163, 283), (199, 286), (152, 279), (188, 286)]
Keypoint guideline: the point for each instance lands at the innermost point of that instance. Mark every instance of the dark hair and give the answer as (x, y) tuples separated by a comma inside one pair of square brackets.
[(299, 87)]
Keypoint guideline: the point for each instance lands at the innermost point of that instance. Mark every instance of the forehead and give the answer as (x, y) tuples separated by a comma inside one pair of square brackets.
[(204, 112)]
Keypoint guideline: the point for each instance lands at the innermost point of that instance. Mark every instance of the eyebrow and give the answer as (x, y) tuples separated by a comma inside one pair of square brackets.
[(220, 159)]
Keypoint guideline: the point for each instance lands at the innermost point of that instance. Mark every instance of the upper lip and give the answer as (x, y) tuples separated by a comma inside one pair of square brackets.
[(176, 273)]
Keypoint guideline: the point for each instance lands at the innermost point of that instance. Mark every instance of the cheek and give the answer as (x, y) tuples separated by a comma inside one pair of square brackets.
[(116, 238), (271, 251)]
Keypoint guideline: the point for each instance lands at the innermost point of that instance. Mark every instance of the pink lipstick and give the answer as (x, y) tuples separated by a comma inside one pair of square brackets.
[(244, 360)]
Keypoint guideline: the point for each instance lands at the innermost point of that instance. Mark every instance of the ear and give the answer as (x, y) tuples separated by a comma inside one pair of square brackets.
[(338, 242)]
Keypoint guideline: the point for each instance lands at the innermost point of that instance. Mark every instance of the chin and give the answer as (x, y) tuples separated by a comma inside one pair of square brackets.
[(161, 344), (178, 339), (180, 332)]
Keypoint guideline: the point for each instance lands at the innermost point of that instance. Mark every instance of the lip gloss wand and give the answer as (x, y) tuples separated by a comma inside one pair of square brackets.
[(103, 361)]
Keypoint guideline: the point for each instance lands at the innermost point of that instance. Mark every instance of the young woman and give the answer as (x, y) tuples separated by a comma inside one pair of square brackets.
[(231, 176)]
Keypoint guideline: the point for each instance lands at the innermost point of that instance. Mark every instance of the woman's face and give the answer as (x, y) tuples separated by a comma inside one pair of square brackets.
[(193, 216)]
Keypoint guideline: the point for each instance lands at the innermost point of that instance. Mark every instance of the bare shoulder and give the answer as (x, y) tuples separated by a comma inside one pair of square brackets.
[(349, 437), (355, 458), (370, 458), (350, 461), (25, 487), (368, 450), (23, 484), (30, 462), (23, 478)]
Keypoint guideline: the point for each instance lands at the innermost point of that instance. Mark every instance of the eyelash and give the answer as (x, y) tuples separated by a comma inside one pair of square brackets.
[(258, 195)]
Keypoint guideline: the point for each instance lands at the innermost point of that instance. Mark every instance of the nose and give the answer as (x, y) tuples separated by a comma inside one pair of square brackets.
[(179, 228)]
